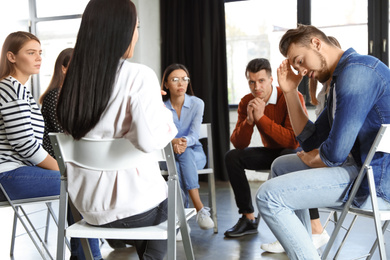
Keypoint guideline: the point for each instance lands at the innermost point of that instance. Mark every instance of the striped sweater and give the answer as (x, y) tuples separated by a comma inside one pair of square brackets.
[(21, 127)]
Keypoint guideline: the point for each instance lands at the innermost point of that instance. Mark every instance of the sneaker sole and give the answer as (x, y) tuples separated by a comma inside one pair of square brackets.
[(242, 234), (272, 251), (205, 228)]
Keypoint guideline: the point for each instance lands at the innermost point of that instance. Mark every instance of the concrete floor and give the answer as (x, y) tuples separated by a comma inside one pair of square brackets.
[(206, 244)]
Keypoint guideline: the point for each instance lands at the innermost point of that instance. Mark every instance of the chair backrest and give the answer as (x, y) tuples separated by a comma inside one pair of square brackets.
[(206, 132), (203, 133), (380, 144), (100, 154)]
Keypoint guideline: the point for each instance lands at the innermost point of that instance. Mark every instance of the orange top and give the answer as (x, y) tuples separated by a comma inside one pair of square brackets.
[(274, 126)]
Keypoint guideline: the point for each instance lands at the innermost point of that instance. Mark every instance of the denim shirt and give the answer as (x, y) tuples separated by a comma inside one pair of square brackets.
[(362, 104), (191, 117)]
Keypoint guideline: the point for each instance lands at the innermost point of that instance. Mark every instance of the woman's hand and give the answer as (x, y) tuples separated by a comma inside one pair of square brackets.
[(179, 145), (287, 79)]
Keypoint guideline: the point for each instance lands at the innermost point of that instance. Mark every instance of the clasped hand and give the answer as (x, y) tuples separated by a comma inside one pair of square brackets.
[(179, 145), (255, 110)]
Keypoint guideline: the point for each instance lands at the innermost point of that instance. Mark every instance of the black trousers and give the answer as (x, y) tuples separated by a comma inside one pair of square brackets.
[(251, 158)]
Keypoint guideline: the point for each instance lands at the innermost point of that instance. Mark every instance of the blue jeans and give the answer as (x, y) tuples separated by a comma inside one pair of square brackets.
[(284, 200), (188, 164), (33, 181), (146, 249)]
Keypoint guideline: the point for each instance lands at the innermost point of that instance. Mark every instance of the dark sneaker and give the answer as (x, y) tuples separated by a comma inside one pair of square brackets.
[(243, 227)]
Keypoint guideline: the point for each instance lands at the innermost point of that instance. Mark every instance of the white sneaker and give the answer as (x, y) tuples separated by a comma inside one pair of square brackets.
[(274, 247), (203, 218), (320, 240)]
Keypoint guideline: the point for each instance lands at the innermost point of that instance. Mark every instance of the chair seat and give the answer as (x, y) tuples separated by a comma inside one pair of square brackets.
[(384, 214), (82, 229), (205, 171), (30, 201)]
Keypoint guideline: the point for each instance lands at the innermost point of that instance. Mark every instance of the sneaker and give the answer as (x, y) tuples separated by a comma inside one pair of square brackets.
[(320, 240), (243, 227), (203, 218), (274, 247)]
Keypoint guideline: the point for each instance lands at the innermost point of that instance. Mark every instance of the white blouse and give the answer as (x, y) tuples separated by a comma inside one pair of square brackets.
[(135, 111)]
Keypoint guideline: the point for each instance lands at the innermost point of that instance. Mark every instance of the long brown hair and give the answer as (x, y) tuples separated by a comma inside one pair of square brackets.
[(13, 43), (313, 83), (58, 75)]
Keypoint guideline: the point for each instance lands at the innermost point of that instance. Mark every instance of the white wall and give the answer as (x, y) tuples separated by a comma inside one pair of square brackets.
[(148, 49)]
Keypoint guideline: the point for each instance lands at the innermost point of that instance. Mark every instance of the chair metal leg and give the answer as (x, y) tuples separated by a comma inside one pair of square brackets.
[(54, 217), (172, 202), (84, 241), (19, 217), (13, 233), (63, 209), (213, 201), (374, 246), (377, 217), (35, 232), (47, 222), (346, 236)]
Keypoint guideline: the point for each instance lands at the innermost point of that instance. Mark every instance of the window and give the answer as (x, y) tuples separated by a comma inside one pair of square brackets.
[(253, 30), (50, 8), (56, 25), (53, 41), (347, 23)]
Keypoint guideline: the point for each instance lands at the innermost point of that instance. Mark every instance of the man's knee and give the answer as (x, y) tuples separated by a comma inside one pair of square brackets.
[(232, 157)]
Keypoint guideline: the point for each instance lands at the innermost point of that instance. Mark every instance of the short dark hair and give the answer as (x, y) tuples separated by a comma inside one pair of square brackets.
[(167, 72), (256, 65), (301, 35)]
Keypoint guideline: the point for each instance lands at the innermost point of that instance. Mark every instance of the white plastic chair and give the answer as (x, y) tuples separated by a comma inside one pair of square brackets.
[(115, 154), (380, 144), (23, 216)]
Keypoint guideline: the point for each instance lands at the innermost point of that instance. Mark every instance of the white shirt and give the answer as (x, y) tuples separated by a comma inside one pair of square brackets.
[(135, 111)]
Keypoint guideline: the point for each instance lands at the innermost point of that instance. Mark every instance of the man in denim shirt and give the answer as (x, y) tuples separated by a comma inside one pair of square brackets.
[(334, 146)]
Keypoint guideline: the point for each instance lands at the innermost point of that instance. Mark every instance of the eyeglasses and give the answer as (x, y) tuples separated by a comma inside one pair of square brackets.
[(183, 80)]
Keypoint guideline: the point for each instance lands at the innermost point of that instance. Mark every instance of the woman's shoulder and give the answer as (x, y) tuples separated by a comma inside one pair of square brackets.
[(51, 97), (11, 89), (136, 67), (195, 100)]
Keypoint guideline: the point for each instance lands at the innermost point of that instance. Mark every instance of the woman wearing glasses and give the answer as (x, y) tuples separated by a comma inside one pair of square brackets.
[(187, 113)]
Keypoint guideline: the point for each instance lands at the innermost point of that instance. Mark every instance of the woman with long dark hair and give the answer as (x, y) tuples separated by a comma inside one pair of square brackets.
[(187, 111), (105, 96), (49, 98)]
